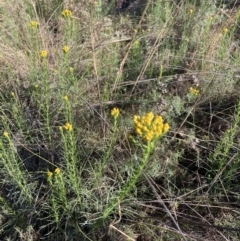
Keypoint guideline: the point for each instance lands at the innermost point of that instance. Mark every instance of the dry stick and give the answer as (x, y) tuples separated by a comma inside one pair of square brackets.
[(119, 73), (121, 232), (163, 204), (174, 136)]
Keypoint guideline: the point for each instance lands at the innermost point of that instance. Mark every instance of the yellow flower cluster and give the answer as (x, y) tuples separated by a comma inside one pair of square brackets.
[(193, 91), (66, 13), (43, 53), (68, 126), (225, 30), (115, 113), (49, 174), (56, 171), (150, 127), (33, 24), (65, 97), (136, 43), (65, 49)]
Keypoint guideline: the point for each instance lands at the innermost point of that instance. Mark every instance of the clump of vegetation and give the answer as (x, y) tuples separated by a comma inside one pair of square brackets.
[(119, 120)]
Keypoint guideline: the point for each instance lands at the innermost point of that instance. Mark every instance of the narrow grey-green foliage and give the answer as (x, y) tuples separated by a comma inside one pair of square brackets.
[(97, 167), (13, 169), (222, 155)]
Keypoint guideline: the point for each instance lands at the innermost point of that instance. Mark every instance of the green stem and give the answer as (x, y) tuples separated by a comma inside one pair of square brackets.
[(131, 181)]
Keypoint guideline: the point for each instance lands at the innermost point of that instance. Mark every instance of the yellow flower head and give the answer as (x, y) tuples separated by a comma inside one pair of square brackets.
[(68, 126), (49, 174), (150, 127), (225, 30), (66, 13), (191, 11), (193, 91), (65, 49), (165, 128), (65, 97), (57, 170), (55, 71), (43, 53), (115, 113), (136, 43), (5, 133), (33, 24)]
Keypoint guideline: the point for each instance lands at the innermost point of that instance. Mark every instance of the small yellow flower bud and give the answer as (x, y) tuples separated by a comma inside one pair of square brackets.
[(49, 174), (138, 131), (165, 127), (193, 91), (33, 24), (65, 49), (115, 113), (43, 53), (225, 30), (136, 43), (66, 13), (68, 126), (57, 170)]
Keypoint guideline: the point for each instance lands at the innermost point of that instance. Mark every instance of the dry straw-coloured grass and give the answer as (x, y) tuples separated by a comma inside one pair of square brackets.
[(170, 60)]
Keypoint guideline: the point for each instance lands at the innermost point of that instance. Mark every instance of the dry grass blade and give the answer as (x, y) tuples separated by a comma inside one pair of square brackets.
[(150, 182)]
